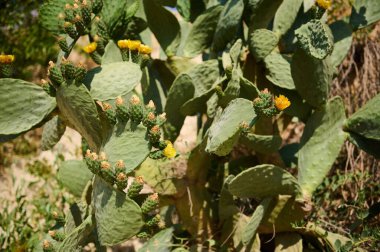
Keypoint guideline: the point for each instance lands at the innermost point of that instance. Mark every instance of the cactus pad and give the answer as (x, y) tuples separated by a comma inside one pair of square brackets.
[(161, 176), (278, 70), (312, 77), (78, 108), (364, 13), (261, 143), (286, 15), (161, 242), (262, 42), (111, 54), (22, 106), (225, 131), (255, 220), (263, 181), (164, 25), (111, 80), (52, 133), (118, 218), (366, 121), (323, 134), (48, 14), (342, 33), (74, 175), (128, 145), (228, 24), (202, 31), (315, 39)]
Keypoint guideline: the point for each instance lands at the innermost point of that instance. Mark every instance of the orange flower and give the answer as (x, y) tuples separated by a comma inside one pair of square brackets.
[(281, 102)]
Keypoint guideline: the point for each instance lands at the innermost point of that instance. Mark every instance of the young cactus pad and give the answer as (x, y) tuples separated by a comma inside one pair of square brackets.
[(22, 106), (118, 218)]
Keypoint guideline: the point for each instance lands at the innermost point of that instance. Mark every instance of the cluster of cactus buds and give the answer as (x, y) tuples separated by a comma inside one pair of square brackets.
[(135, 51), (267, 106), (6, 65), (67, 72), (77, 18), (116, 175)]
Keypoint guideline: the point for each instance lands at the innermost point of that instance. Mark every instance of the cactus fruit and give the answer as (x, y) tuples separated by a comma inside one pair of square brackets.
[(57, 235), (55, 74), (150, 204), (110, 113), (154, 134), (97, 6), (135, 109), (136, 187)]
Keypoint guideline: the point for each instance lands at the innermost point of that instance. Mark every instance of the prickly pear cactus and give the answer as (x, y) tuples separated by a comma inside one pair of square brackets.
[(244, 69)]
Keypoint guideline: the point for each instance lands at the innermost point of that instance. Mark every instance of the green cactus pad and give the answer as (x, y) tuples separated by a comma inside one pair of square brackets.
[(366, 121), (291, 242), (255, 220), (180, 92), (161, 175), (197, 104), (48, 14), (118, 218), (52, 133), (262, 42), (228, 24), (286, 15), (261, 143), (283, 213), (315, 38), (323, 134), (111, 54), (160, 242), (79, 236), (23, 106), (79, 109), (262, 12), (227, 207), (193, 82), (364, 13), (225, 131), (111, 80), (74, 175), (263, 181), (202, 31), (128, 145), (342, 33), (278, 70), (368, 145), (164, 25), (312, 77)]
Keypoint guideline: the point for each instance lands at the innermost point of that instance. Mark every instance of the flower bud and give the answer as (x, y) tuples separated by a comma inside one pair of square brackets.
[(136, 187), (154, 134), (135, 109), (150, 204)]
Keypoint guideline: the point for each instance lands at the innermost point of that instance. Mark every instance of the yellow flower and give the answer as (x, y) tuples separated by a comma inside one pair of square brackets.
[(133, 45), (281, 102), (144, 49), (6, 59), (169, 150), (122, 44), (324, 4), (90, 48)]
